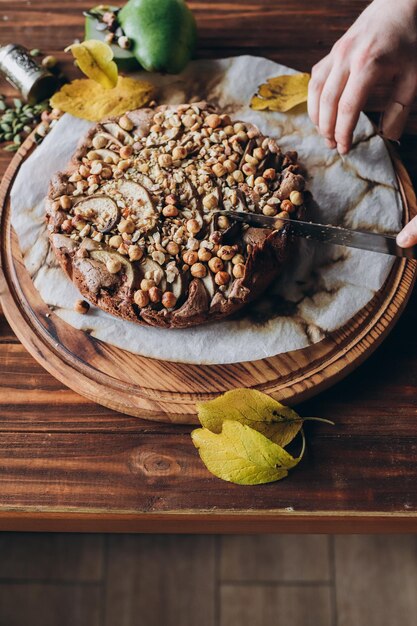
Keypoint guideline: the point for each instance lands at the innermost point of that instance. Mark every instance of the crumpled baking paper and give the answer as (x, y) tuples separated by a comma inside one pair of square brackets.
[(321, 288)]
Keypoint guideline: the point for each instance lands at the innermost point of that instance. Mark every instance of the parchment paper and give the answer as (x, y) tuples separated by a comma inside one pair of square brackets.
[(322, 287)]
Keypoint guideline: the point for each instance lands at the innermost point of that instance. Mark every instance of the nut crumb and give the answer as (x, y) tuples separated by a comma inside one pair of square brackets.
[(81, 306)]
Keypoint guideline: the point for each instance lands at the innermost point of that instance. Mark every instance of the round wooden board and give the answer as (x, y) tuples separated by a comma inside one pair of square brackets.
[(167, 391)]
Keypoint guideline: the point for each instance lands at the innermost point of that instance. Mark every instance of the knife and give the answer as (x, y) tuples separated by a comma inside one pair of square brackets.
[(373, 242)]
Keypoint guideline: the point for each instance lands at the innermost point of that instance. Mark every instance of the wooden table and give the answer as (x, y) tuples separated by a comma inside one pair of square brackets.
[(68, 464)]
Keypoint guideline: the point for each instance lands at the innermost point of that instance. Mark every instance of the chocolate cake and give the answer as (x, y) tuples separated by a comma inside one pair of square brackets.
[(134, 224)]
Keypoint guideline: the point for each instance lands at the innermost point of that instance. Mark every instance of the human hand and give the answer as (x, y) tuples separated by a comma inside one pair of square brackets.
[(380, 48)]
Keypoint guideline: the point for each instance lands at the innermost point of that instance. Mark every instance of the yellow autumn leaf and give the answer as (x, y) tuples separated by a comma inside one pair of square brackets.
[(251, 408), (281, 93), (242, 455), (95, 60), (87, 99)]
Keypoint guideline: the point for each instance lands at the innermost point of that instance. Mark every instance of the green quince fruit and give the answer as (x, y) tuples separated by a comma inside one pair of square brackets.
[(163, 33), (96, 29)]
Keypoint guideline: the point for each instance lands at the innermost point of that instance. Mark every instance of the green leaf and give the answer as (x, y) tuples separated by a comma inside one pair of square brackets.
[(242, 455), (251, 408)]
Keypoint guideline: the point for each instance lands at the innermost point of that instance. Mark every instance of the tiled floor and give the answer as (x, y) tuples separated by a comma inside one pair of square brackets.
[(126, 580)]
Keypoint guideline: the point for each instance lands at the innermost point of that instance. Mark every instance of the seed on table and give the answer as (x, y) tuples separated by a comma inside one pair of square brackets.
[(123, 42), (6, 127), (11, 148), (17, 140), (2, 105), (49, 61), (81, 306), (17, 103), (35, 52)]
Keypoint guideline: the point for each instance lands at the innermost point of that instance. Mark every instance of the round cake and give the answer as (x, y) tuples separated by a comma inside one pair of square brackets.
[(134, 219)]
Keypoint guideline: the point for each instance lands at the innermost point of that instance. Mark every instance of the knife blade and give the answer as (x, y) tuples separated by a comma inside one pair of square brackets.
[(373, 242)]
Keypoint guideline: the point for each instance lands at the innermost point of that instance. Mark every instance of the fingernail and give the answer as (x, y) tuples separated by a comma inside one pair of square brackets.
[(403, 240), (393, 120), (330, 144), (342, 149)]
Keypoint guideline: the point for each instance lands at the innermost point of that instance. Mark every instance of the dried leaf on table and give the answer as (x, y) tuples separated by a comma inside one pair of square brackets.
[(88, 100), (251, 408), (242, 455), (95, 60), (281, 93)]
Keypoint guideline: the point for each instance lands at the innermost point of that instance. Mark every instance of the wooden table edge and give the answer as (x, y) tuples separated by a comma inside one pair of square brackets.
[(208, 522)]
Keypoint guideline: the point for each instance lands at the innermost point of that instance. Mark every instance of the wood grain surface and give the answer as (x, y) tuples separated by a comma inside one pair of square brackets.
[(68, 463)]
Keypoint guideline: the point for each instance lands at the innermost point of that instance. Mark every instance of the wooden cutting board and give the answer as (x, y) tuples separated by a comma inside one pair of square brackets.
[(167, 391)]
